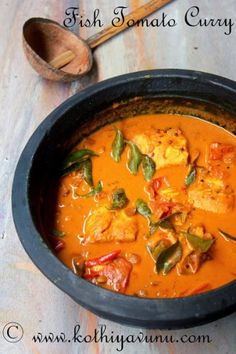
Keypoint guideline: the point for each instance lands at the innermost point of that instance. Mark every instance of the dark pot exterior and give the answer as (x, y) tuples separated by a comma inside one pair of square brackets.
[(38, 160)]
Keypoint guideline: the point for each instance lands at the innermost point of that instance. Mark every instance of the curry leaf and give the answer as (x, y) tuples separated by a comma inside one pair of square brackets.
[(153, 228), (118, 145), (75, 167), (77, 155), (156, 251), (58, 233), (164, 223), (88, 172), (93, 192), (119, 199), (198, 243), (227, 236), (135, 158), (148, 167), (143, 209), (190, 178), (169, 258)]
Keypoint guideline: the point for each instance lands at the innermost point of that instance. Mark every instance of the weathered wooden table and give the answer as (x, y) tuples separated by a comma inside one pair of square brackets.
[(26, 296)]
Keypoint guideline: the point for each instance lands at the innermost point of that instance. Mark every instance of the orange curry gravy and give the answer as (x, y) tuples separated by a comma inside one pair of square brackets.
[(215, 267)]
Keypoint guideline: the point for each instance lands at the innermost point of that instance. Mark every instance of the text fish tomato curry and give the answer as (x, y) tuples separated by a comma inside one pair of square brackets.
[(146, 207)]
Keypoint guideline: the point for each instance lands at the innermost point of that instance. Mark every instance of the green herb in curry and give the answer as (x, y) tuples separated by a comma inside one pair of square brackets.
[(119, 199), (118, 145)]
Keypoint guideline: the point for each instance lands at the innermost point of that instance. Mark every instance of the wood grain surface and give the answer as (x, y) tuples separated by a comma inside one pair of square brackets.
[(26, 296)]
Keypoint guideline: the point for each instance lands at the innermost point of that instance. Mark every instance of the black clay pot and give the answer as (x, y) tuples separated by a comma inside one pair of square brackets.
[(178, 91)]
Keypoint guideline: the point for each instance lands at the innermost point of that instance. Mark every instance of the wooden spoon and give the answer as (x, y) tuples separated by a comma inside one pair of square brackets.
[(49, 46)]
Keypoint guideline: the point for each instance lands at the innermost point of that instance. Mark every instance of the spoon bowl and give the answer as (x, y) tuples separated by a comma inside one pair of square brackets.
[(58, 54), (44, 39)]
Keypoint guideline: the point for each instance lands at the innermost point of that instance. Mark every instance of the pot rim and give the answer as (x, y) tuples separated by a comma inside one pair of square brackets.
[(146, 312)]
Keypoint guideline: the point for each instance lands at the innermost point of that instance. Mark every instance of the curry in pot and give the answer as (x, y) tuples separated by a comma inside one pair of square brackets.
[(146, 207)]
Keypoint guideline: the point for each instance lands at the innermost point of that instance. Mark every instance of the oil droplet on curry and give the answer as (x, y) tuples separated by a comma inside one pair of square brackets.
[(146, 207)]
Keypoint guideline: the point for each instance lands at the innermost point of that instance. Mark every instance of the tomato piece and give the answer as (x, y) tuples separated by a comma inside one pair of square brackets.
[(222, 152), (215, 152), (156, 184), (153, 187), (102, 259), (184, 189), (117, 273), (161, 210), (218, 170)]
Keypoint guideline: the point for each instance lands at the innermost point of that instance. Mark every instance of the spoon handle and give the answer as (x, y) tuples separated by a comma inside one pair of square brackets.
[(138, 14)]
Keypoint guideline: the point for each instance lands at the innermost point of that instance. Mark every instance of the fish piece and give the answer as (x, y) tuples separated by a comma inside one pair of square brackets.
[(209, 200), (123, 227), (166, 147), (222, 152), (105, 225), (97, 223), (210, 194)]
